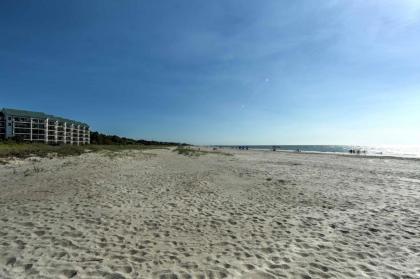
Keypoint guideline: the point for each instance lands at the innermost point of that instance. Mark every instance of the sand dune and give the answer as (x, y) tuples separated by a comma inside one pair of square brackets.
[(157, 214)]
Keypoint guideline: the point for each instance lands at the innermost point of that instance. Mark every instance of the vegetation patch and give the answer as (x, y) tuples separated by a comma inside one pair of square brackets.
[(194, 152), (25, 150), (109, 144)]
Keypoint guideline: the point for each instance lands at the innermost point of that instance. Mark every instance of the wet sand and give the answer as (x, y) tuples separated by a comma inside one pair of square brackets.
[(158, 214)]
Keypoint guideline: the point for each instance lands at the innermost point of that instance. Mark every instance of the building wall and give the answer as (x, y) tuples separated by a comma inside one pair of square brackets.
[(9, 125), (2, 126)]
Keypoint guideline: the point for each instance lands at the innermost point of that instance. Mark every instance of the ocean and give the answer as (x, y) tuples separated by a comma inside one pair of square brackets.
[(405, 151)]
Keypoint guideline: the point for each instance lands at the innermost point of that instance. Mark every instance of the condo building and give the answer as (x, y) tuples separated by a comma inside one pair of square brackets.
[(39, 127)]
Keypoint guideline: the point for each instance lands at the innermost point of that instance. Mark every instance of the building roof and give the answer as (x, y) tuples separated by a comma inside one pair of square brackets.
[(34, 114)]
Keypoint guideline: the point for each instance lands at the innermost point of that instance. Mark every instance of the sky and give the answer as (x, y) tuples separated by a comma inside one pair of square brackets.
[(220, 71)]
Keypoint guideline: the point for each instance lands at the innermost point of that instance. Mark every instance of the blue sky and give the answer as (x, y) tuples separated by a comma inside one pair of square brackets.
[(219, 72)]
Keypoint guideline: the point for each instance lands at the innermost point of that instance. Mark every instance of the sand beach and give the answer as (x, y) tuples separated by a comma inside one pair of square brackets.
[(249, 214)]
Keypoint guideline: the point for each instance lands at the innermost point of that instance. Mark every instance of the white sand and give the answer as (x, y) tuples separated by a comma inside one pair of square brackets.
[(251, 215)]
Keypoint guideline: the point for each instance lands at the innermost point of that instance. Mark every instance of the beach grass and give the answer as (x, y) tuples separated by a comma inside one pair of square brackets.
[(194, 152), (25, 150)]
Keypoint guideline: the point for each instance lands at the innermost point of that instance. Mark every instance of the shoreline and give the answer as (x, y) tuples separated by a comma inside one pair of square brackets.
[(369, 156)]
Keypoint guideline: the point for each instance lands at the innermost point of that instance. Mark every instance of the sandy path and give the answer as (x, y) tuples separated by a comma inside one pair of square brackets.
[(158, 214)]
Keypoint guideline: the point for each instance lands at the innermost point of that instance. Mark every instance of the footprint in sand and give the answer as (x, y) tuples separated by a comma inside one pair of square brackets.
[(69, 273)]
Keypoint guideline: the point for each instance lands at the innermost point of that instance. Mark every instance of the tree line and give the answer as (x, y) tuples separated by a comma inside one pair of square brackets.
[(98, 138)]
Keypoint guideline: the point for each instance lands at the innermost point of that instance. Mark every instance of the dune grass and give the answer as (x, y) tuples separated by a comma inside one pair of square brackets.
[(194, 152), (25, 150)]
